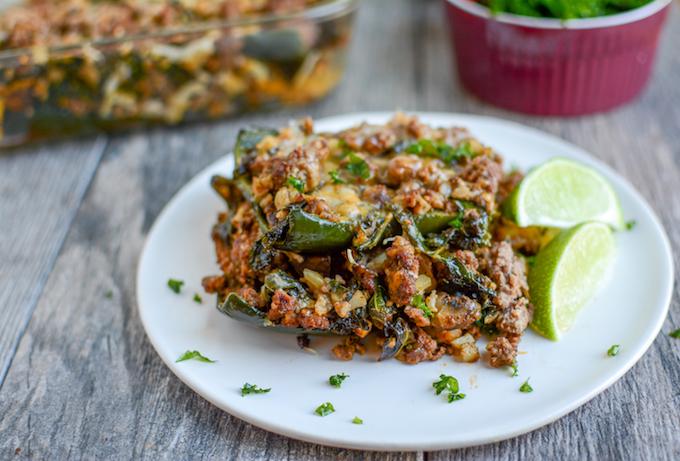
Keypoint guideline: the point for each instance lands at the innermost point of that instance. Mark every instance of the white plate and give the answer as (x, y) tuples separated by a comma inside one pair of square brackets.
[(396, 401)]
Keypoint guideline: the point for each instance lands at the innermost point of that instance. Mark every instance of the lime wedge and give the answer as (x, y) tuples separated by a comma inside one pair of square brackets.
[(567, 274), (562, 193)]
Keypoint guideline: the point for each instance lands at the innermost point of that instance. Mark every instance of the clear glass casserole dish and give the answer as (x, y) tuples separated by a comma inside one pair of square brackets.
[(199, 71)]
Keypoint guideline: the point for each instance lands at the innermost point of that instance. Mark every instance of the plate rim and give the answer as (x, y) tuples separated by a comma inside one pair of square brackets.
[(356, 117)]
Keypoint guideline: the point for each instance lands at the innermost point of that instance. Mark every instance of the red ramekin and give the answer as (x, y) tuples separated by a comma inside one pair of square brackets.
[(552, 67)]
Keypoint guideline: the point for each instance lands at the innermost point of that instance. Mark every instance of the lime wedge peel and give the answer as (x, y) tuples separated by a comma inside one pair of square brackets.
[(567, 274), (562, 193)]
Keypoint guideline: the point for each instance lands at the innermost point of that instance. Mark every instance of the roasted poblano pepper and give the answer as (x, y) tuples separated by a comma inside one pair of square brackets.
[(246, 141), (378, 311), (397, 335), (281, 280), (231, 190), (238, 309), (453, 276), (307, 233)]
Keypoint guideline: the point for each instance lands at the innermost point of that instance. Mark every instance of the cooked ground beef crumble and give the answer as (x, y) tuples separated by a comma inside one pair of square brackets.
[(386, 233)]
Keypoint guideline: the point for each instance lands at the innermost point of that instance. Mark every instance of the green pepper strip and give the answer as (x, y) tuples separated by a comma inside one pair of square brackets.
[(238, 309), (307, 233), (455, 276)]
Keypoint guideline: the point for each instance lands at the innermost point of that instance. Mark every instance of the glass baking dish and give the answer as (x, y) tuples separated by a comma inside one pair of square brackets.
[(200, 71)]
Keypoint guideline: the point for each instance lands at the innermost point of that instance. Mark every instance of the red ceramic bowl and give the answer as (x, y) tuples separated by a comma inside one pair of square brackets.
[(553, 67)]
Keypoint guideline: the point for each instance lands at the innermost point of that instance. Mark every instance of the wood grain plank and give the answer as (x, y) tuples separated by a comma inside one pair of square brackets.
[(40, 191), (638, 417), (85, 363)]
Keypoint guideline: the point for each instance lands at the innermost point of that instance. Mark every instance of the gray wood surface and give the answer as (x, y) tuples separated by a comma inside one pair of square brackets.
[(79, 379)]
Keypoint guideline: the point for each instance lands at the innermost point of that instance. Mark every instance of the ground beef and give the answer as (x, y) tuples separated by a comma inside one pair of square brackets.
[(282, 304), (468, 259), (507, 271), (502, 351), (366, 277), (401, 271), (418, 316), (424, 348), (378, 194), (233, 258), (214, 283), (309, 320), (508, 184), (251, 296), (481, 177), (456, 311), (270, 173), (403, 168)]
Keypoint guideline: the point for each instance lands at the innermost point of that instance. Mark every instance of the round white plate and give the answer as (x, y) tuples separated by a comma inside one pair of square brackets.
[(396, 401)]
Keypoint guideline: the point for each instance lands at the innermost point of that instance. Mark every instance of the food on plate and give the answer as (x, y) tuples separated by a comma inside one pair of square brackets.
[(384, 233), (71, 66), (563, 9), (567, 273)]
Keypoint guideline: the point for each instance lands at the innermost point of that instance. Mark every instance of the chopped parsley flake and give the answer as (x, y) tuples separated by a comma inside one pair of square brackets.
[(447, 153), (358, 167), (297, 184), (515, 369), (335, 177), (198, 299), (457, 222), (526, 387), (175, 285), (448, 384), (324, 409), (675, 334), (195, 355), (419, 303), (614, 350), (631, 224), (108, 294), (248, 389), (336, 380), (357, 420)]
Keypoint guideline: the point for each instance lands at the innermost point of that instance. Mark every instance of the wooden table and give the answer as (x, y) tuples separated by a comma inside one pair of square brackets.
[(78, 376)]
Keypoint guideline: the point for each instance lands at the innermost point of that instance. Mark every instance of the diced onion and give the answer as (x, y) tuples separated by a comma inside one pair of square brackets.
[(423, 282)]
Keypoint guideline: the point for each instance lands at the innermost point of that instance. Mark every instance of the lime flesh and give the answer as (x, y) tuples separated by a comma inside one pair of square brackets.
[(562, 193), (566, 275)]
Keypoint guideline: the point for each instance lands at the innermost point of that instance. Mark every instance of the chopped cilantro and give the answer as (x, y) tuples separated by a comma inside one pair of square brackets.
[(515, 369), (296, 183), (324, 409), (198, 299), (453, 397), (336, 380), (419, 303), (614, 350), (189, 355), (675, 334), (457, 222), (357, 420), (631, 224), (175, 285), (248, 389), (358, 167), (335, 177), (448, 384), (445, 152), (526, 387), (108, 294)]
